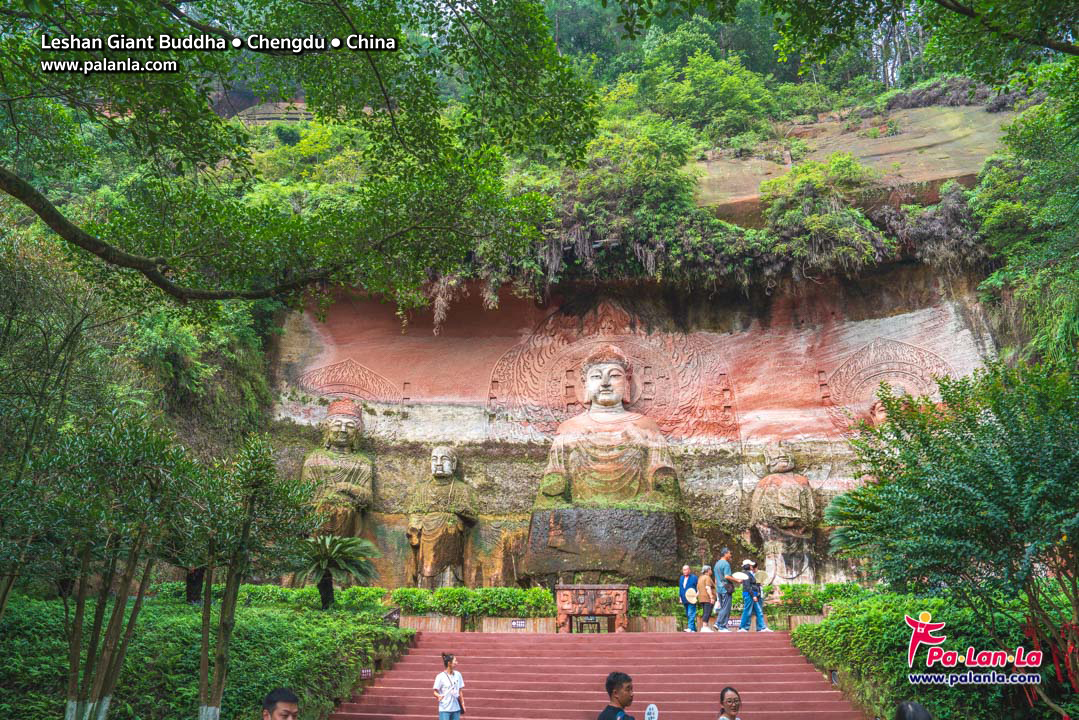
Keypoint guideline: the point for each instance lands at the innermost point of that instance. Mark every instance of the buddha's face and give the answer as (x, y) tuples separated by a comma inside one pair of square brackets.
[(780, 462), (606, 384), (443, 462), (878, 414), (341, 431)]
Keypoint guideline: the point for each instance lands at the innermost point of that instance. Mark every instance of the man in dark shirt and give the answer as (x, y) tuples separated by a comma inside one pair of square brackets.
[(620, 690)]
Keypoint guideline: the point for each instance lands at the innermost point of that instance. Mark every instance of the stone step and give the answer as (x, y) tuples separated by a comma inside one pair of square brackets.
[(590, 714), (541, 665), (640, 676), (560, 677)]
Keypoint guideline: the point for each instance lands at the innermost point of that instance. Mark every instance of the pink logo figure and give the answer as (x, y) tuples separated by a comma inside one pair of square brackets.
[(921, 632)]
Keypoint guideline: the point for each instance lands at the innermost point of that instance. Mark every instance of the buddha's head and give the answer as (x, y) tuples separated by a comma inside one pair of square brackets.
[(342, 427), (443, 462), (779, 459), (606, 375), (878, 414), (785, 502)]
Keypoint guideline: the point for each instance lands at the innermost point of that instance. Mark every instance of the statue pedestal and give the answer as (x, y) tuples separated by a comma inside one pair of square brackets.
[(606, 600), (604, 545)]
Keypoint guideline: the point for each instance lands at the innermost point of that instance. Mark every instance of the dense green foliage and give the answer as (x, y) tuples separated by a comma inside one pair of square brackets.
[(866, 640), (811, 599), (317, 654), (976, 499), (476, 602)]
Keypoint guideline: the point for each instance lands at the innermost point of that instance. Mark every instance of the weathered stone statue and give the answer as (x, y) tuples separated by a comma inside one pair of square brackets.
[(784, 512), (608, 504), (342, 473), (608, 454), (441, 512)]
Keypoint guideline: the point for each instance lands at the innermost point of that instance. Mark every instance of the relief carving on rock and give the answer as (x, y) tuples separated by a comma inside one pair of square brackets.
[(783, 512), (441, 513), (679, 379), (590, 600), (350, 379), (342, 475), (608, 454), (849, 392)]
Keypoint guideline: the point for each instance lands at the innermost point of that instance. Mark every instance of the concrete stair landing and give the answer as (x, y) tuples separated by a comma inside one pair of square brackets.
[(560, 677)]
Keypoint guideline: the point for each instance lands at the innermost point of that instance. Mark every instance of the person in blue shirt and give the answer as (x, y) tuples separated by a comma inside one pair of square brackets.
[(687, 583), (751, 599), (724, 588)]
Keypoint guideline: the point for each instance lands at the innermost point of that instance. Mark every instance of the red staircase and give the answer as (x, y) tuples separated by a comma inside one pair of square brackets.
[(560, 677)]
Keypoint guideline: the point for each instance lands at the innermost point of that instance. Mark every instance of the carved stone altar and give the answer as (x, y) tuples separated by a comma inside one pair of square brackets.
[(603, 600)]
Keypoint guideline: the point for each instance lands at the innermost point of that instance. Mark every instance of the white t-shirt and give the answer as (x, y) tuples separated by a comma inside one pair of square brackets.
[(449, 687)]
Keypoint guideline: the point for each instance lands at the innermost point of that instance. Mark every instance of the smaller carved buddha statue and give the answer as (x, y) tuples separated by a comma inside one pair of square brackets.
[(608, 454), (783, 511), (441, 512), (343, 475)]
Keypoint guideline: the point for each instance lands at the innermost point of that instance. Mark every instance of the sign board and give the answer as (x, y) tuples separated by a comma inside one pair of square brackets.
[(366, 673), (518, 624), (651, 712)]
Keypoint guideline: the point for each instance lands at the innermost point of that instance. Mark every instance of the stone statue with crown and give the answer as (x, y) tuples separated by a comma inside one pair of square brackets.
[(441, 514), (609, 505), (783, 513), (342, 474)]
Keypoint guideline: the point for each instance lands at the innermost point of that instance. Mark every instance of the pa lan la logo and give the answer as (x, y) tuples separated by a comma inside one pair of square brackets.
[(922, 632)]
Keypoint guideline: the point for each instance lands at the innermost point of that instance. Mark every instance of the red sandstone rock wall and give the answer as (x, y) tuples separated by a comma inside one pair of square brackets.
[(802, 364)]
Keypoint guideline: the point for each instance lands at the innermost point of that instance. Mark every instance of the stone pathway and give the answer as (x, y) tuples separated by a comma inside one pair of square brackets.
[(560, 677)]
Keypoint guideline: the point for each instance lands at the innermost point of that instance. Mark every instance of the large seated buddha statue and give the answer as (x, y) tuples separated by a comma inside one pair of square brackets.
[(608, 454), (608, 503)]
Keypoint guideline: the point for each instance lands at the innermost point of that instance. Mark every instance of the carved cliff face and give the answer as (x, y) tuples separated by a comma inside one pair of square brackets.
[(443, 463), (606, 385), (341, 432)]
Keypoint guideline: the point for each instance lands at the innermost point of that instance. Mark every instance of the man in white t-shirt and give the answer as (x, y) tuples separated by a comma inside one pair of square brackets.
[(448, 684)]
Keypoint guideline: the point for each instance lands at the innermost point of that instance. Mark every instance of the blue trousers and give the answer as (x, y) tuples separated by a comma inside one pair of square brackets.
[(751, 608), (691, 616), (444, 715)]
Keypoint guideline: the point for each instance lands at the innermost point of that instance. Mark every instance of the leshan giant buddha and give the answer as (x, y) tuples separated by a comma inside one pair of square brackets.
[(609, 505)]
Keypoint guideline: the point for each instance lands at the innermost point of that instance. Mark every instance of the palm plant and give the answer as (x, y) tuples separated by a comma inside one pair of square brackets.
[(330, 558)]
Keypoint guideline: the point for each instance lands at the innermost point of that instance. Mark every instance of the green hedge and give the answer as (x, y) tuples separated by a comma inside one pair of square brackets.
[(811, 599), (358, 599), (478, 602), (318, 654), (866, 639)]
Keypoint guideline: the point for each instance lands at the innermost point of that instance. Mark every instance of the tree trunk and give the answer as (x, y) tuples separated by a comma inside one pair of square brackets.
[(325, 590), (193, 585), (204, 655)]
